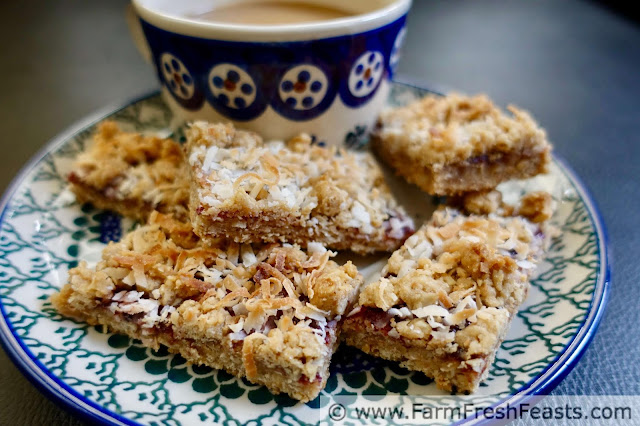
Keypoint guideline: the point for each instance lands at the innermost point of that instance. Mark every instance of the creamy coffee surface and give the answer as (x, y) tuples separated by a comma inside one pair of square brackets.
[(271, 13)]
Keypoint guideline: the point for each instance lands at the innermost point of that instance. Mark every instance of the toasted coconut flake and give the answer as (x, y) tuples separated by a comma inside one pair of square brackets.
[(403, 312), (240, 309), (434, 324), (233, 252), (460, 316), (132, 296), (251, 175), (394, 333), (525, 264), (467, 302), (247, 355), (310, 311), (230, 298), (130, 279), (265, 287), (248, 257), (443, 335), (166, 311), (136, 259), (318, 310), (237, 326), (118, 296), (444, 299), (290, 289), (315, 247), (354, 311), (240, 335), (430, 310), (140, 277)]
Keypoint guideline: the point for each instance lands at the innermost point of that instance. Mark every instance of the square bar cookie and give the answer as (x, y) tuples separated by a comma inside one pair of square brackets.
[(445, 299), (251, 191), (132, 174), (270, 313), (453, 144)]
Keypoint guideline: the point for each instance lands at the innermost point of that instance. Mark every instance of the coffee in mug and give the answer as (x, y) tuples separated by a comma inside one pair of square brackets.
[(271, 13)]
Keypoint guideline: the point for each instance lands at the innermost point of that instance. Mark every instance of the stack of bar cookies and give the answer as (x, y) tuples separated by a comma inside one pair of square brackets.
[(231, 265), (444, 302)]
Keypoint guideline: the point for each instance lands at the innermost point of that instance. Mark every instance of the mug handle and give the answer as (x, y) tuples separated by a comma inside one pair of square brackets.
[(135, 29)]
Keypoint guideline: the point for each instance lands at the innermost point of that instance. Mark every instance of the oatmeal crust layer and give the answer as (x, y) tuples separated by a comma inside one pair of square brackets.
[(449, 145), (270, 313)]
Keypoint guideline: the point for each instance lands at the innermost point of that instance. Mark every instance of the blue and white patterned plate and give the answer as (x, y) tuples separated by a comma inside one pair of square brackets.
[(115, 380)]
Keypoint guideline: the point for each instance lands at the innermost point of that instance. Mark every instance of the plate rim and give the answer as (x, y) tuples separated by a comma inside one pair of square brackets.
[(58, 391)]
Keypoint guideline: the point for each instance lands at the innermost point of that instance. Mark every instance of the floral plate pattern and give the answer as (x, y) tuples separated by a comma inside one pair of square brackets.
[(115, 380)]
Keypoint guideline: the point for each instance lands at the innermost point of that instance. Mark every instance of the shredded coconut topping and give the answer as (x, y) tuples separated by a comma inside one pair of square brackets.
[(318, 194), (161, 275), (445, 129), (457, 271)]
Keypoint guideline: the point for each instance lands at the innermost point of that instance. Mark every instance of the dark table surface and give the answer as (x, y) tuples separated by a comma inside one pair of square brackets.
[(574, 64)]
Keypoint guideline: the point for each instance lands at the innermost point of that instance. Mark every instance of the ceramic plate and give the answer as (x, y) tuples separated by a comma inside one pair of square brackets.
[(115, 380)]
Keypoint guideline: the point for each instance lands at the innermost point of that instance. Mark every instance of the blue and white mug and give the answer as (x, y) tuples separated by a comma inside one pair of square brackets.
[(327, 78)]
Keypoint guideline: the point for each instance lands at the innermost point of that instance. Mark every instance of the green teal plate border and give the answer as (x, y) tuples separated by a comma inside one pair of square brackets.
[(43, 368)]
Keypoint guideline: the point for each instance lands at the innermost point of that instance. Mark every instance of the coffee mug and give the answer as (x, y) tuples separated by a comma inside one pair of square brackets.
[(327, 78)]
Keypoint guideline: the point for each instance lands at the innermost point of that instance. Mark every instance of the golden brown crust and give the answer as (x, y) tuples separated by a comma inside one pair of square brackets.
[(255, 303), (252, 191), (452, 144), (132, 174), (443, 364)]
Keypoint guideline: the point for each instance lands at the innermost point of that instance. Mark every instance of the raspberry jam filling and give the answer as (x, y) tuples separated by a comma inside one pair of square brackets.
[(380, 319), (304, 380), (398, 227)]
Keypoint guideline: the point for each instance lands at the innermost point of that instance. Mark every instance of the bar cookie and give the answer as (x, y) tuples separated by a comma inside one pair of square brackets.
[(132, 174), (250, 190), (270, 313), (446, 298), (448, 145)]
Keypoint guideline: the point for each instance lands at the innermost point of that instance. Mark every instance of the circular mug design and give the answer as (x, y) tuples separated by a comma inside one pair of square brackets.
[(235, 91), (231, 86), (366, 73), (177, 76), (394, 58), (304, 91), (303, 87), (180, 81)]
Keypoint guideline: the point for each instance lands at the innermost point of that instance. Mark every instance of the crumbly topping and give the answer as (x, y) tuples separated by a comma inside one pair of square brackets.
[(234, 168), (124, 166), (536, 206), (161, 275), (458, 276), (453, 128)]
